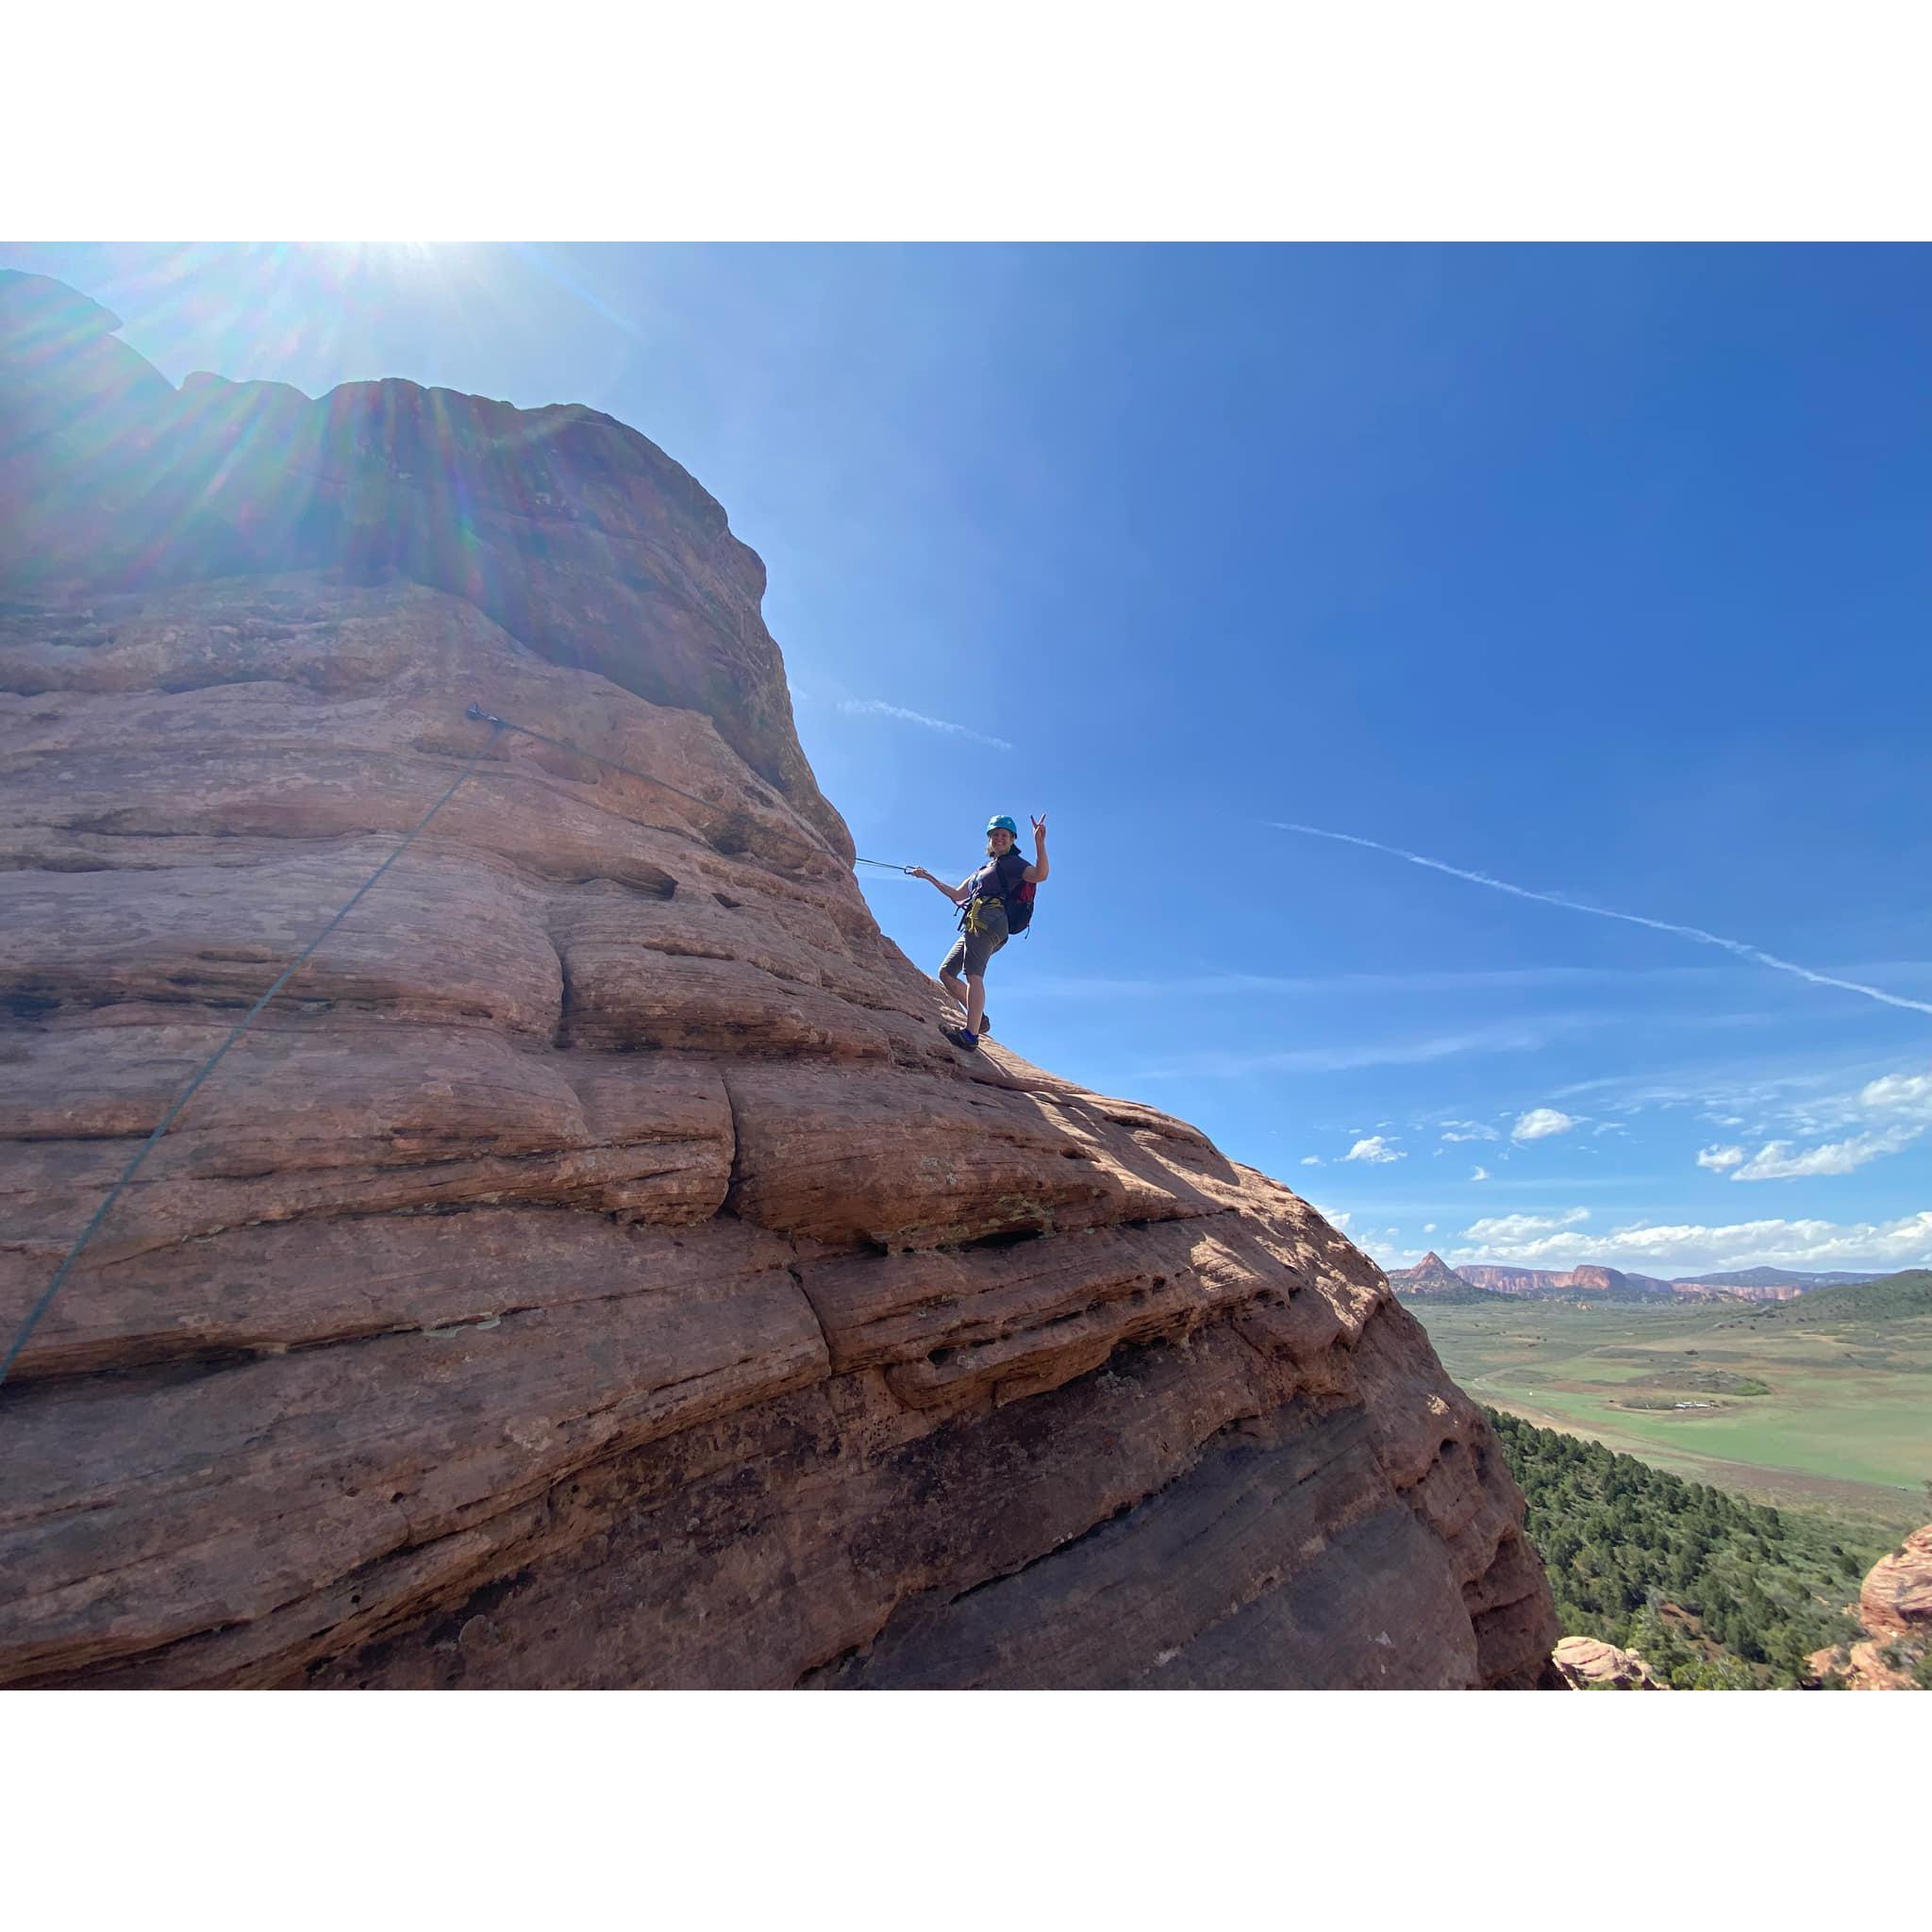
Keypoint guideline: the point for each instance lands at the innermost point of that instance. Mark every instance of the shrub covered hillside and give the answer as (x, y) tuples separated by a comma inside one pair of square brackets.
[(1714, 1593), (1886, 1303)]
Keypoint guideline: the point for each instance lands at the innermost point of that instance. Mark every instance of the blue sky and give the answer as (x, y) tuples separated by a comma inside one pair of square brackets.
[(1599, 572)]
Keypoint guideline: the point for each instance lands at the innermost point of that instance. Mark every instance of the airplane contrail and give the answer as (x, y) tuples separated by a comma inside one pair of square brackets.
[(1756, 954)]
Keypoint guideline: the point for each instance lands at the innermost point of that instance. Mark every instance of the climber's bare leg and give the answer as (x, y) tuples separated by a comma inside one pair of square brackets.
[(957, 990), (976, 1002)]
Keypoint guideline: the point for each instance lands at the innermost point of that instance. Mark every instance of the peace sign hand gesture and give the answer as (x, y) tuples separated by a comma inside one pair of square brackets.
[(1039, 826)]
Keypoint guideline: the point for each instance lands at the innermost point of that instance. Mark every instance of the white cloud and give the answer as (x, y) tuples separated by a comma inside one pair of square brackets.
[(1804, 1103), (1501, 1228), (1539, 1123), (1685, 1248), (1718, 1158), (1468, 1131), (1480, 1174), (1313, 1160), (1374, 1148), (1613, 1126), (1428, 1227), (1908, 1091), (1776, 1160), (877, 708), (1333, 1216)]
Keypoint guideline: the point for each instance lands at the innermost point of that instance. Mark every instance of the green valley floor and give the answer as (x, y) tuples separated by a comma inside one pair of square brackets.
[(1827, 1406)]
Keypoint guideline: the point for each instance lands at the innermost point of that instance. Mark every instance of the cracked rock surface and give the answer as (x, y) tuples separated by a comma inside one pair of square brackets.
[(595, 1268)]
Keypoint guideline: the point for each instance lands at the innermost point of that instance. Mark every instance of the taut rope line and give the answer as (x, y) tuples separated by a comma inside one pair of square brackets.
[(214, 1059), (497, 726)]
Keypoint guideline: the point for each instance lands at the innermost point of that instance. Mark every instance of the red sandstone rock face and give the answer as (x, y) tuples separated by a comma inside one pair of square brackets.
[(1587, 1663), (1895, 1609), (1896, 1600), (595, 1269), (578, 535)]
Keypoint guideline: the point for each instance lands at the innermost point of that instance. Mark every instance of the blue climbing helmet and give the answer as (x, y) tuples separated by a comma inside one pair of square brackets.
[(1002, 823)]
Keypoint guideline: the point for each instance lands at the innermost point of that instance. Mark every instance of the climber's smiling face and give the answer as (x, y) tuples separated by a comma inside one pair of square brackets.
[(999, 843)]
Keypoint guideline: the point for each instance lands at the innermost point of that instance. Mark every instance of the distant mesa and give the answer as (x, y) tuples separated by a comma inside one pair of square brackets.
[(1602, 1284), (1433, 1279), (1762, 1284), (1771, 1277)]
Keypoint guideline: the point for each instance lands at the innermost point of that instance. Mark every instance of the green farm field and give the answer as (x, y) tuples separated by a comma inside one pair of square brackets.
[(1829, 1405)]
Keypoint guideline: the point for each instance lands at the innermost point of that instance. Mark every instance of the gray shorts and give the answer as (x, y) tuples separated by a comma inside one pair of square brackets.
[(972, 950)]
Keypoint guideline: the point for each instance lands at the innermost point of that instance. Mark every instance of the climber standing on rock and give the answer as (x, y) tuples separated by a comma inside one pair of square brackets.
[(995, 902)]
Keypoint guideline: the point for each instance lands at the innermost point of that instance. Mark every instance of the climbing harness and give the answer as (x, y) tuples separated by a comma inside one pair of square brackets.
[(1017, 905)]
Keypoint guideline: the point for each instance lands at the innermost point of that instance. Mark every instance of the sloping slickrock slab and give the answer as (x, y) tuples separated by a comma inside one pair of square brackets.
[(257, 1484), (1011, 1320), (321, 1123), (1150, 1587), (622, 997), (910, 1161), (265, 1290), (184, 936), (1182, 1517)]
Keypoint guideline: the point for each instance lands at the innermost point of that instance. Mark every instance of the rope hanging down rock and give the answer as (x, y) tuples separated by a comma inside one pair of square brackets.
[(497, 726), (214, 1059)]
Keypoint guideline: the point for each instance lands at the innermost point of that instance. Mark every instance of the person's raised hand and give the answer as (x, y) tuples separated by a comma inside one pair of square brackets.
[(919, 872), (1039, 826)]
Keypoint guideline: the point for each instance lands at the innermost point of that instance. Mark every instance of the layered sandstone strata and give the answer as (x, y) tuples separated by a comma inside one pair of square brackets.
[(595, 1269)]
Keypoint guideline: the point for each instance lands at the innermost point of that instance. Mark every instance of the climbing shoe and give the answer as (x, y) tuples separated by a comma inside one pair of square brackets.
[(961, 1038)]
